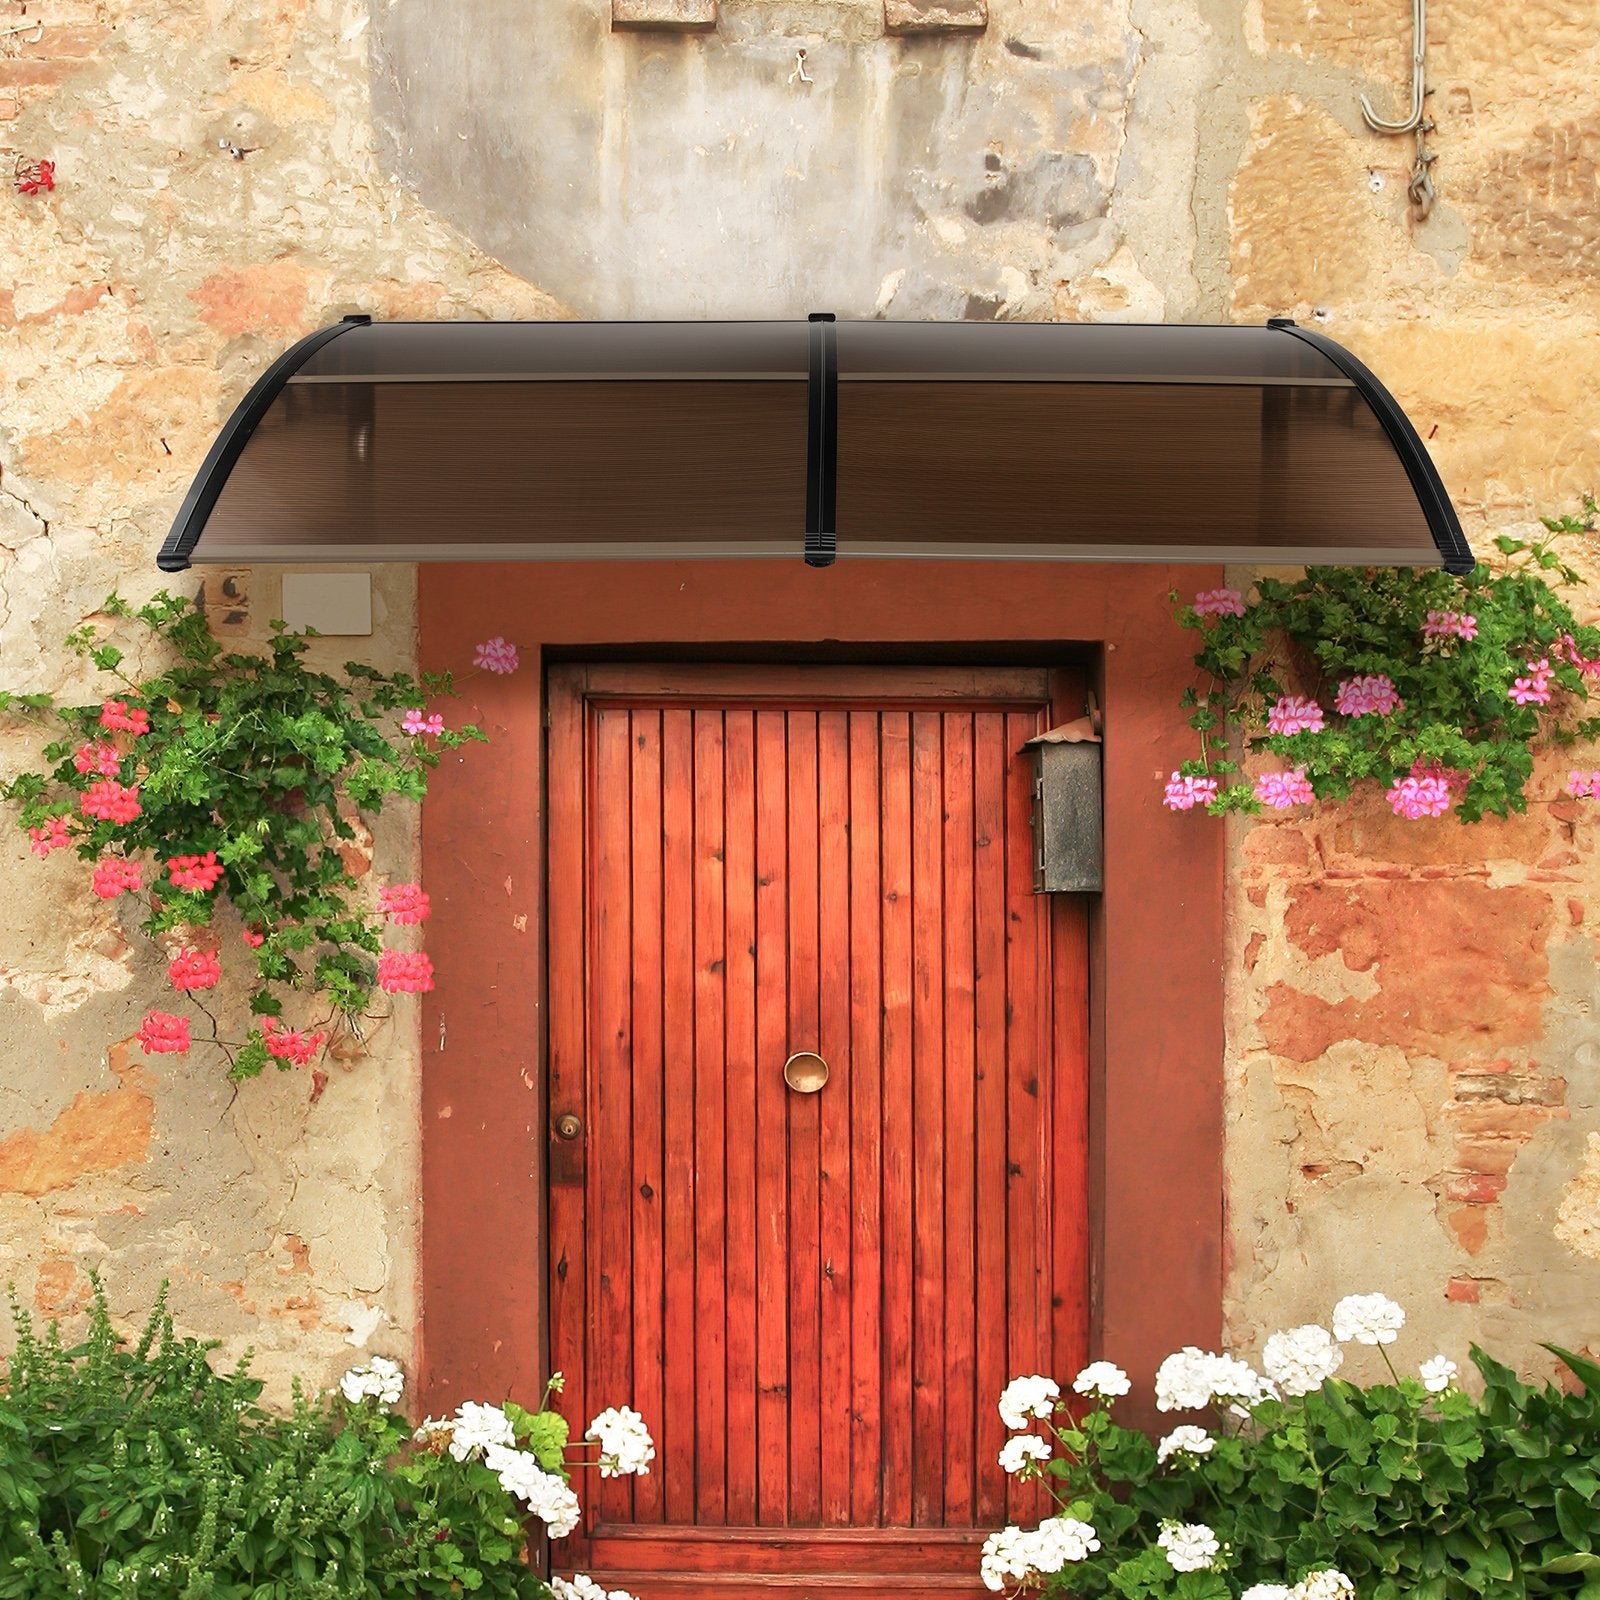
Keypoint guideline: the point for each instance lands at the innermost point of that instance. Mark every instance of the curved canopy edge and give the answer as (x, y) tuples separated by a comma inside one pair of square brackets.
[(1031, 441)]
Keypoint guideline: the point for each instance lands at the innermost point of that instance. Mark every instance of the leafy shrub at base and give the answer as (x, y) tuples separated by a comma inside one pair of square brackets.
[(141, 1473), (1299, 1485)]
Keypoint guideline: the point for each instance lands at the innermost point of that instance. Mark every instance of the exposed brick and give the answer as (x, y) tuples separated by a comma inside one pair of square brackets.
[(1463, 1291), (1474, 1188), (1519, 1122), (1494, 1157), (1470, 1224)]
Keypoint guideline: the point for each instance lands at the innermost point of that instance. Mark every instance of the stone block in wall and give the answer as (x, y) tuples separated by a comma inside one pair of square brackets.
[(674, 16), (935, 16)]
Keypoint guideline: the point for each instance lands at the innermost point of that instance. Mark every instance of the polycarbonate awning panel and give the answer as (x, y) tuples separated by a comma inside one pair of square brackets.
[(504, 441)]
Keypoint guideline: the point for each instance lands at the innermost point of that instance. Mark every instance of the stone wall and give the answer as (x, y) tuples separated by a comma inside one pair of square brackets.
[(1414, 1061)]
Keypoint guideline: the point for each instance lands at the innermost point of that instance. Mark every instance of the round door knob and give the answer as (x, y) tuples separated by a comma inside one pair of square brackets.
[(805, 1072), (568, 1126)]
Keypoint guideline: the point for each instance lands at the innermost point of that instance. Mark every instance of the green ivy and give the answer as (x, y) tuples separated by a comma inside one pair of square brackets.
[(263, 761), (1456, 716)]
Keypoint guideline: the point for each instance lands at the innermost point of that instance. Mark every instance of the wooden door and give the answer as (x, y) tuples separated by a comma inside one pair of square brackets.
[(814, 1299)]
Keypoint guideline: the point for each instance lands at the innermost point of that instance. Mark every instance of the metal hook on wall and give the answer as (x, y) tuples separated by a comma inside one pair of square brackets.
[(1419, 64)]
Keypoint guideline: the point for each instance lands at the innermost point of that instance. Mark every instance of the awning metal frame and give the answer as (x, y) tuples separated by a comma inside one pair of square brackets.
[(820, 542)]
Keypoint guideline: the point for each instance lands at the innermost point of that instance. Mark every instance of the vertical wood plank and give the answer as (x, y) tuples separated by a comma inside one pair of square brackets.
[(740, 881), (678, 1446), (898, 1204), (989, 982), (928, 1352), (771, 1129), (833, 1003), (866, 1124), (568, 984), (1027, 1187), (805, 1261), (960, 1179), (611, 1129), (647, 1083), (710, 1140), (1069, 1274)]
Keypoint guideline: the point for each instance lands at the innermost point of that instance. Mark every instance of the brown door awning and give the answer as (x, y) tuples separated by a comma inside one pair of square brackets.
[(494, 441)]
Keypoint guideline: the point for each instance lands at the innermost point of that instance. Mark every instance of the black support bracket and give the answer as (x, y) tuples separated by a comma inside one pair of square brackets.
[(822, 441)]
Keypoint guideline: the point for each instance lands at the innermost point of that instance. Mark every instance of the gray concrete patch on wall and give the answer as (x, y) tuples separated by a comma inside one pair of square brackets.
[(799, 157)]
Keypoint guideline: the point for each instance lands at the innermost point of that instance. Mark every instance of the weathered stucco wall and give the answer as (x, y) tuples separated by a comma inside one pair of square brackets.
[(1414, 1061), (217, 195)]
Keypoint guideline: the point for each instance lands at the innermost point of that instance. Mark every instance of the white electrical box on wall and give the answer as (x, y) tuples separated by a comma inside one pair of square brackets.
[(330, 602)]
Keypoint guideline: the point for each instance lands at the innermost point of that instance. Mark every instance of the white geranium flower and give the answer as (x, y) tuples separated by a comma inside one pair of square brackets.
[(626, 1448), (1300, 1359), (1060, 1540), (1104, 1379), (582, 1587), (1266, 1591), (1438, 1374), (1189, 1546), (1004, 1560), (1193, 1378), (379, 1379), (1232, 1379), (1183, 1380), (1329, 1584), (1187, 1440), (1013, 1556), (544, 1493), (1367, 1319), (1025, 1398), (1020, 1449), (474, 1428), (429, 1426)]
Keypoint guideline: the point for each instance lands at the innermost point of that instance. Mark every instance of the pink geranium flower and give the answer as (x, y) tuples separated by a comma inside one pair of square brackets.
[(405, 902), (1534, 689), (48, 836), (1584, 784), (116, 715), (115, 876), (195, 872), (1371, 695), (100, 759), (1450, 625), (290, 1044), (162, 1034), (1283, 789), (1219, 603), (1294, 713), (254, 938), (1184, 793), (415, 723), (1415, 797), (110, 801), (496, 655), (404, 972), (195, 969)]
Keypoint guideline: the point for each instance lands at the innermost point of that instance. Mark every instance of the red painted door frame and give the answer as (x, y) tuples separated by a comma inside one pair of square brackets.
[(1156, 935)]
